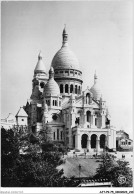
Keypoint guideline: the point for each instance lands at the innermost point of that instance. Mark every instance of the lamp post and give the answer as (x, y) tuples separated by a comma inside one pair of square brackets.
[(79, 170)]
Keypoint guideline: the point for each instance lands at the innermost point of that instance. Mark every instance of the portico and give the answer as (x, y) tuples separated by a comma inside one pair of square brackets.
[(92, 141)]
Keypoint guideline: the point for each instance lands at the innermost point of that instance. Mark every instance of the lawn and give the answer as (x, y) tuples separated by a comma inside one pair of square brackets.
[(88, 167)]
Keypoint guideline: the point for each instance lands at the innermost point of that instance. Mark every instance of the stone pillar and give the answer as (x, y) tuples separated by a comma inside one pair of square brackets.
[(63, 88), (73, 88), (103, 121), (69, 88), (106, 142), (85, 118), (78, 141), (89, 144), (51, 103), (91, 119), (58, 101), (97, 145)]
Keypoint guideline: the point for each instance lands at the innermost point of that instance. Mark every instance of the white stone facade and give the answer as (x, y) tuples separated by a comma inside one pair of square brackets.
[(78, 119)]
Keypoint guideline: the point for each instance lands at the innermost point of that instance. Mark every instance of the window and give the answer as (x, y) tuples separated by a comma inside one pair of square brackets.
[(76, 73), (55, 117), (61, 133), (22, 119), (66, 71), (61, 71), (95, 121), (58, 134), (71, 72), (53, 102), (87, 98), (59, 103), (75, 89), (71, 88), (61, 88), (66, 88), (56, 72), (129, 143), (54, 135), (42, 84)]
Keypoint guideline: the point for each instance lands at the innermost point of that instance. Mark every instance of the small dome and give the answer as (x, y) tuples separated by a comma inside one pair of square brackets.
[(51, 87), (95, 89), (65, 59), (40, 67)]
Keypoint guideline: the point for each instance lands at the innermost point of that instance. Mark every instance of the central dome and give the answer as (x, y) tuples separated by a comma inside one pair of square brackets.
[(65, 58)]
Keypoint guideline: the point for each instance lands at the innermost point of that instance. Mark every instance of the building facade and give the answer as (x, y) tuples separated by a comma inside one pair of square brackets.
[(76, 118), (123, 142)]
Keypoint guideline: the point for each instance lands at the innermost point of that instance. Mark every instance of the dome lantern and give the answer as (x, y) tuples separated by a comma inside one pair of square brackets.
[(65, 37), (95, 78), (51, 72), (40, 67)]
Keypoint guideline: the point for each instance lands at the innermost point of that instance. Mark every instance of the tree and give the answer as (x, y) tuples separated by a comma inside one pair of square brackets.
[(31, 168), (113, 170)]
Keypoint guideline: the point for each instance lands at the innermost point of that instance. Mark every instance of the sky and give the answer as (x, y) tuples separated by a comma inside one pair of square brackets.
[(100, 34)]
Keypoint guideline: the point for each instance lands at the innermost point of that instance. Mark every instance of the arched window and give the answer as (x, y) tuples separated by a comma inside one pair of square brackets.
[(66, 88), (93, 140), (84, 140), (75, 89), (87, 98), (102, 141), (61, 88), (71, 88), (88, 116)]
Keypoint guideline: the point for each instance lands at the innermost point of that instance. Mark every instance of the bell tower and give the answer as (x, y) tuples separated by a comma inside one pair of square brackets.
[(39, 79)]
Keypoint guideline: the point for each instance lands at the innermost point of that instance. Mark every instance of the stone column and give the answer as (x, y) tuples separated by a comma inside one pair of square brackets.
[(97, 145), (78, 141), (91, 119), (63, 88), (58, 101), (51, 103), (89, 144), (106, 142), (85, 118), (69, 88), (73, 88)]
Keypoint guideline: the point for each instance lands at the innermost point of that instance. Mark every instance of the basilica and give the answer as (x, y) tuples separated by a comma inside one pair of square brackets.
[(75, 118)]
